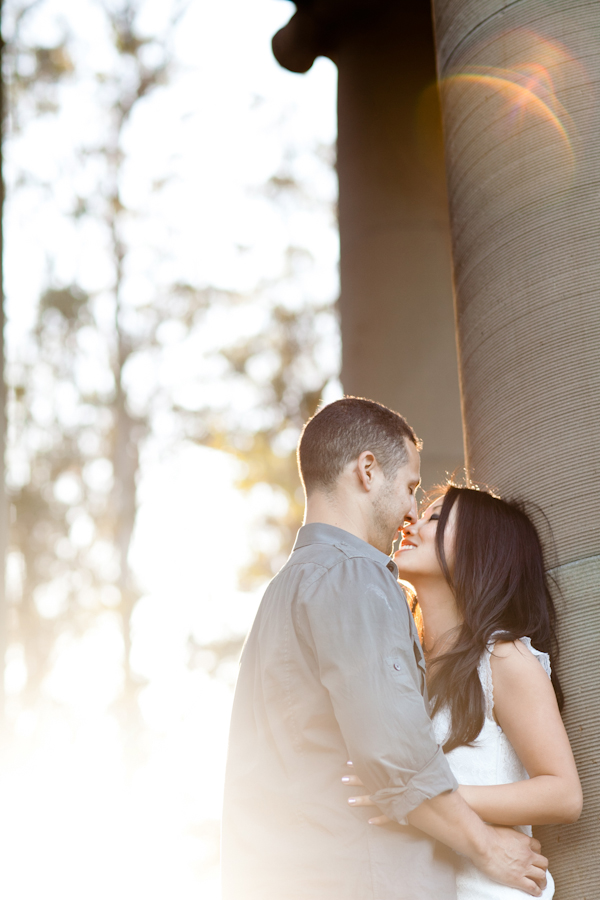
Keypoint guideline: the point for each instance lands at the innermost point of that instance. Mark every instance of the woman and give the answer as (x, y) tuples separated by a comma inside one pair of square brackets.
[(486, 619)]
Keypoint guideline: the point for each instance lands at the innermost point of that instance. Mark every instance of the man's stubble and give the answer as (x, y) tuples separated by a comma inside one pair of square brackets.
[(385, 520)]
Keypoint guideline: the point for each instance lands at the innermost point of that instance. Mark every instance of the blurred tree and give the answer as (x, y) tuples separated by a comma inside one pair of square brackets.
[(135, 75), (77, 433), (89, 390), (31, 70), (81, 420), (3, 499), (54, 572), (284, 371)]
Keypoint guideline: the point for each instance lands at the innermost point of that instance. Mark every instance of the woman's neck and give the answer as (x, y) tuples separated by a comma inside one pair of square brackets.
[(440, 617)]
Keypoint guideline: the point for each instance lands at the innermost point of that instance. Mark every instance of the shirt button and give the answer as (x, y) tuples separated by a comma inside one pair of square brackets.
[(390, 566), (397, 667)]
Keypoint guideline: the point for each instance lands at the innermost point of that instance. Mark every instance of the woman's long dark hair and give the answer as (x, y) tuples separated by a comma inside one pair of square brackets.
[(500, 587)]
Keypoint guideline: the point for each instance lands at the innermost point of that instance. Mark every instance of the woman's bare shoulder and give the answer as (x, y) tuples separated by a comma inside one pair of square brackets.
[(512, 662)]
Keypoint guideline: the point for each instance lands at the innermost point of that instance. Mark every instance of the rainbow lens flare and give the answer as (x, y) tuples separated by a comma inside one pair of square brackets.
[(535, 72)]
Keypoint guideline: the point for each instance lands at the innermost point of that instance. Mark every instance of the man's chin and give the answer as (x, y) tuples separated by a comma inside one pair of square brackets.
[(385, 539), (387, 545)]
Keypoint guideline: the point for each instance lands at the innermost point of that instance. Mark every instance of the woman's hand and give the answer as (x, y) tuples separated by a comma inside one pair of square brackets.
[(363, 799)]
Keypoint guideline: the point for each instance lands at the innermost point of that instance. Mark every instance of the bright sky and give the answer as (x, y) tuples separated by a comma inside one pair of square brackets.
[(235, 119)]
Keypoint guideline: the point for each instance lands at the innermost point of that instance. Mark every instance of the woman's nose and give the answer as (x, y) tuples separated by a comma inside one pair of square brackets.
[(409, 527)]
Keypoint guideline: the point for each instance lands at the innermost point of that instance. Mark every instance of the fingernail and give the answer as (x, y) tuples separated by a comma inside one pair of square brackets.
[(345, 779), (352, 800)]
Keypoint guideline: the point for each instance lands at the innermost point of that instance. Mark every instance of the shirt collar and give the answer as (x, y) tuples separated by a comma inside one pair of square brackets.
[(319, 533)]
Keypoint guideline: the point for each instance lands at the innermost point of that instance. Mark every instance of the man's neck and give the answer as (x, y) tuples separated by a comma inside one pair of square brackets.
[(327, 509)]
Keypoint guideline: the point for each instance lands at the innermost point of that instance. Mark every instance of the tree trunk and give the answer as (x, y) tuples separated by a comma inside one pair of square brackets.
[(521, 125), (3, 497), (126, 465), (397, 321), (125, 460)]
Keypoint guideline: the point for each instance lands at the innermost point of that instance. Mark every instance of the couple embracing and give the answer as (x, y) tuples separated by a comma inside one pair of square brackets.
[(372, 739)]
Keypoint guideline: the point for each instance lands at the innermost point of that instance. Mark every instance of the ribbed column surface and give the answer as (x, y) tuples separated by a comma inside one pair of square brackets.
[(520, 100), (573, 849)]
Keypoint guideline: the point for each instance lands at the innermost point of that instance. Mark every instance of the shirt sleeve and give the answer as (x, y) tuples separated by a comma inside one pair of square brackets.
[(356, 621)]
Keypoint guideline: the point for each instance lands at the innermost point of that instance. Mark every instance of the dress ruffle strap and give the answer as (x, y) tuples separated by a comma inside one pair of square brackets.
[(485, 670)]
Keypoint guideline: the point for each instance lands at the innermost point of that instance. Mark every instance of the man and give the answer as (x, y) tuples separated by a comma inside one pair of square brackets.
[(333, 671)]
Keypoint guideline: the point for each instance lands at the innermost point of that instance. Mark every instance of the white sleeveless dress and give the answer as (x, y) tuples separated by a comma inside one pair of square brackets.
[(491, 760)]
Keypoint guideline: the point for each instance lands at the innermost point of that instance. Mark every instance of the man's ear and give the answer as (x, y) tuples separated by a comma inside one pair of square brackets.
[(366, 464)]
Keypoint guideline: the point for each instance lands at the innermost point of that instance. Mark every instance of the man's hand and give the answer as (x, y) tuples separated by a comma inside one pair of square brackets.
[(515, 860), (503, 854)]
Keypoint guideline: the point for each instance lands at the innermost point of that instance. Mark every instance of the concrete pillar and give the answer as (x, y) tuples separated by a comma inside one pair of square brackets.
[(397, 318), (522, 130)]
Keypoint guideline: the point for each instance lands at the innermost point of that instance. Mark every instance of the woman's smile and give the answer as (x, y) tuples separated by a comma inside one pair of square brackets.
[(405, 544), (420, 536)]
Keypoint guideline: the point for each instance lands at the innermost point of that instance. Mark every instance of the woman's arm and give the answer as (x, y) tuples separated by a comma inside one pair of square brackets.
[(525, 707)]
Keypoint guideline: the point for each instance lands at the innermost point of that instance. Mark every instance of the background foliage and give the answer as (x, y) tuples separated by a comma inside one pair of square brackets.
[(87, 386)]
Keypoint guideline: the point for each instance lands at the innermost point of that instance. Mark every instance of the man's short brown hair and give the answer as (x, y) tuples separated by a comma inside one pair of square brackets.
[(342, 430)]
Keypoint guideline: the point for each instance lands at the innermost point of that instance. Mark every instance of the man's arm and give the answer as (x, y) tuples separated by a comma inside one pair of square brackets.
[(355, 621), (504, 855)]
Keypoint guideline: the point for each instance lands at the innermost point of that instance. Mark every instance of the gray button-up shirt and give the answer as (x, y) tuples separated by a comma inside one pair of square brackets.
[(332, 670)]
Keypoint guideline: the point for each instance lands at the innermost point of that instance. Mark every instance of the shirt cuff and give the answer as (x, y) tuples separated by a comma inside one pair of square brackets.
[(433, 779)]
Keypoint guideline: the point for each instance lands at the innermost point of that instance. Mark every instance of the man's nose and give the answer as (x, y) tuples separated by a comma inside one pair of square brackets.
[(410, 518)]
